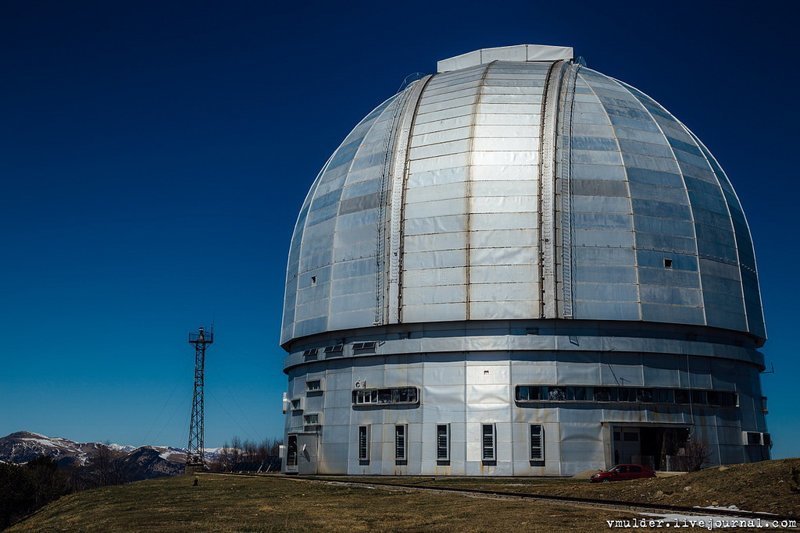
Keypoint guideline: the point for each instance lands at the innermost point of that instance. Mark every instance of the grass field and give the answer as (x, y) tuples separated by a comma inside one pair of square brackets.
[(762, 487), (276, 503)]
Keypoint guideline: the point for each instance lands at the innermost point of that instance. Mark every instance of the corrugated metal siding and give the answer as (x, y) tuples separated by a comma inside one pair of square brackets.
[(716, 244), (604, 257), (435, 224)]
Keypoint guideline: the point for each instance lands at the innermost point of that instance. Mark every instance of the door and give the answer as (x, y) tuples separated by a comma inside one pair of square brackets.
[(291, 454), (307, 454), (627, 446)]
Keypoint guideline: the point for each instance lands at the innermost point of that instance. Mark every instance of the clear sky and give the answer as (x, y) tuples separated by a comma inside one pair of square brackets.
[(154, 155)]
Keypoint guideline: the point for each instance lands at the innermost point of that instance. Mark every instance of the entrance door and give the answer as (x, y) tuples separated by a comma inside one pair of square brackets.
[(291, 454), (307, 453), (627, 446)]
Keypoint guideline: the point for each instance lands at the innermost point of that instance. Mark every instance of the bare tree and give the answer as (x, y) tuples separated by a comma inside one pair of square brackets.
[(697, 454)]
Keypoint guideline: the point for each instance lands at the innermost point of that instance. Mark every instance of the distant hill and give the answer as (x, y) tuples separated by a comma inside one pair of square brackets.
[(144, 462)]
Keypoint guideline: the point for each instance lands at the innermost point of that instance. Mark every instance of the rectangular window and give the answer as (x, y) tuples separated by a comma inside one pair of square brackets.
[(699, 397), (766, 439), (605, 394), (627, 394), (753, 438), (488, 442), (557, 394), (443, 442), (400, 440), (363, 443), (394, 396), (537, 442), (311, 418), (579, 394), (682, 396), (663, 396), (314, 385)]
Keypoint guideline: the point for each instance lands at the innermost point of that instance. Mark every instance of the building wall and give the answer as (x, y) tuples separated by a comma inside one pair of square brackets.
[(469, 388)]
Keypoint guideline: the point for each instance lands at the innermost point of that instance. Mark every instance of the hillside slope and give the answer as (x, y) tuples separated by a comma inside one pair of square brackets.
[(765, 487), (278, 503)]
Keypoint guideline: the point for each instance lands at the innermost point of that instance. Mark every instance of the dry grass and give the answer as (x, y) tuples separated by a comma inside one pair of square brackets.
[(276, 503), (762, 487)]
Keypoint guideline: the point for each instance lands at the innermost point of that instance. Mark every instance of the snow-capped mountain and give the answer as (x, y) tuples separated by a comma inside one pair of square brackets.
[(24, 446), (135, 463)]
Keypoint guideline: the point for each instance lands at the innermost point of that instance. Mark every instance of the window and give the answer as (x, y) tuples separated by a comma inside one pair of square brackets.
[(767, 439), (527, 393), (579, 394), (488, 442), (443, 442), (604, 394), (663, 396), (314, 385), (627, 394), (398, 395), (400, 440), (699, 397), (297, 404), (363, 443), (764, 405), (537, 443), (644, 395), (753, 438), (364, 347), (334, 350), (682, 396), (311, 419), (311, 353), (636, 468), (667, 262), (556, 393)]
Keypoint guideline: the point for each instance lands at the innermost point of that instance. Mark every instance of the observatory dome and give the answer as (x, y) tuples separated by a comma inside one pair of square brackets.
[(516, 183)]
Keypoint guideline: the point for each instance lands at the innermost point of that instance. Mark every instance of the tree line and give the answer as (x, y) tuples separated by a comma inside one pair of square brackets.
[(248, 456)]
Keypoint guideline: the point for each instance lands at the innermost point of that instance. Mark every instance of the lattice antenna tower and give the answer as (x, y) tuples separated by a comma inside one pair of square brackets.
[(195, 452)]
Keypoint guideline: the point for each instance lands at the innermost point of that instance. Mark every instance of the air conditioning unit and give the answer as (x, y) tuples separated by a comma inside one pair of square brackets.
[(752, 438), (286, 403)]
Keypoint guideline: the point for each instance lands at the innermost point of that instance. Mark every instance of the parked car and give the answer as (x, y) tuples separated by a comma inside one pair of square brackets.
[(622, 472)]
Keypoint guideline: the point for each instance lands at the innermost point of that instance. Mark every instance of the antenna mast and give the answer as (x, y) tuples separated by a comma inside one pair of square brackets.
[(195, 452)]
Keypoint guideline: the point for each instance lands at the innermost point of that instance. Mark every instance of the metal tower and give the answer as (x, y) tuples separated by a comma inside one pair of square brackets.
[(195, 451)]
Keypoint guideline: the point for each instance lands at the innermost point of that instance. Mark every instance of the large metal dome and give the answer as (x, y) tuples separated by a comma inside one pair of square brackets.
[(518, 184)]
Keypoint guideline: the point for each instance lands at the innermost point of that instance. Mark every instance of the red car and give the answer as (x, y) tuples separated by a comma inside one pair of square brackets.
[(623, 472)]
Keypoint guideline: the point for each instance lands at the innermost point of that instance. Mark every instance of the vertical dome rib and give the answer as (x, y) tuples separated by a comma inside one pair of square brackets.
[(399, 180)]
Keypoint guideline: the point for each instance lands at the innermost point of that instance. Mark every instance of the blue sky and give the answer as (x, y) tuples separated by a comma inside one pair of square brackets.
[(153, 157)]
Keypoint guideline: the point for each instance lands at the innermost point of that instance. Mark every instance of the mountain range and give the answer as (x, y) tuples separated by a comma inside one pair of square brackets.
[(133, 463)]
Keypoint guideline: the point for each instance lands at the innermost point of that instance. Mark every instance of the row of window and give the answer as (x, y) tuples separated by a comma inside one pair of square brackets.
[(561, 393), (488, 443), (568, 393), (397, 395)]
